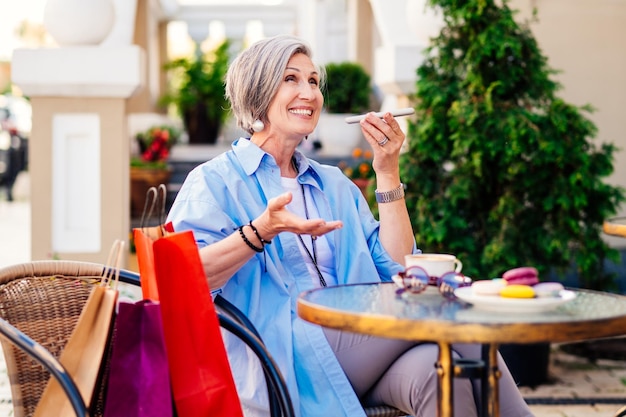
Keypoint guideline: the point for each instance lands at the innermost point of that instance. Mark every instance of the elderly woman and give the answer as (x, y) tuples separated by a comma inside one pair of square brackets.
[(271, 223)]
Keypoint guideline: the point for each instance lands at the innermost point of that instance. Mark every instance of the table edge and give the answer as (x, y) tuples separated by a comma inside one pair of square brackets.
[(445, 331)]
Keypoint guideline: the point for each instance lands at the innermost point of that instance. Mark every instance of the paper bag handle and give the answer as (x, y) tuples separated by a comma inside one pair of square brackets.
[(155, 200), (111, 271)]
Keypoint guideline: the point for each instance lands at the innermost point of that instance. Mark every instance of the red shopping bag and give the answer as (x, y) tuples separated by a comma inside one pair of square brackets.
[(144, 236), (139, 378), (202, 381)]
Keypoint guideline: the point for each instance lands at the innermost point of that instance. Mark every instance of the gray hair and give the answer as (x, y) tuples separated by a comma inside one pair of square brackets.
[(256, 74)]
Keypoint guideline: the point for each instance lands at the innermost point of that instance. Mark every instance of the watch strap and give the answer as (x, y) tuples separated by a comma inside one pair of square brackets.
[(389, 196)]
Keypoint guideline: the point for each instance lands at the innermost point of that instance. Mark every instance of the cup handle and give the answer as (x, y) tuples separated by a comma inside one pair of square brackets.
[(459, 265)]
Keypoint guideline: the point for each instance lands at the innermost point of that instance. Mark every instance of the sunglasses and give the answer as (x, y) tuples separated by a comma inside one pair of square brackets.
[(415, 280)]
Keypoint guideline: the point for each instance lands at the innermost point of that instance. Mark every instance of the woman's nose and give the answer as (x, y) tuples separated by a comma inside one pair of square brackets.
[(306, 91)]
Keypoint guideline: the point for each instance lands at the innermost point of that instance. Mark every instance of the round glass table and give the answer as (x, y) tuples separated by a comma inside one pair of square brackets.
[(377, 310)]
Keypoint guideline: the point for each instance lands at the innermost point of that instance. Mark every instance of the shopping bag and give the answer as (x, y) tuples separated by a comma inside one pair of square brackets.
[(145, 235), (202, 381), (85, 348), (139, 379)]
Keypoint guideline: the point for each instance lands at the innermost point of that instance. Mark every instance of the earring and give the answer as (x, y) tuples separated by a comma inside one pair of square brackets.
[(258, 125)]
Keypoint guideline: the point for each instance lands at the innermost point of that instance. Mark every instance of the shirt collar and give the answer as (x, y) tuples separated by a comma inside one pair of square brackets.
[(250, 157)]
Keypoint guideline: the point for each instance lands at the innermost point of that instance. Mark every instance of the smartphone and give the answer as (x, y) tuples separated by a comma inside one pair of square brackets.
[(395, 113)]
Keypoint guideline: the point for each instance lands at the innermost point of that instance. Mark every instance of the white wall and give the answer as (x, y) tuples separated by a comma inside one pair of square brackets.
[(585, 40)]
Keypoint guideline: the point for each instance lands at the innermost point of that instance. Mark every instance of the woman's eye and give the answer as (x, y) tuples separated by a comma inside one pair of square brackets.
[(290, 78), (313, 81)]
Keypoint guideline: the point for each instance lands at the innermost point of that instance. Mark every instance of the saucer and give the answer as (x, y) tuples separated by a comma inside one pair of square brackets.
[(497, 303)]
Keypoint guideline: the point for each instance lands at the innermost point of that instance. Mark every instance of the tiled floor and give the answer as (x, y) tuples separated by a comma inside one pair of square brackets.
[(6, 408), (575, 379)]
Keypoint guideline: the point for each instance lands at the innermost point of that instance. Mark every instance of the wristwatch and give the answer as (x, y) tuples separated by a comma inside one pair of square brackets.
[(389, 196)]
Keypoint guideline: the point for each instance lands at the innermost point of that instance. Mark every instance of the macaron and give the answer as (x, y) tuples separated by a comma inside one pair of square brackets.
[(548, 289), (517, 291), (526, 275), (488, 286)]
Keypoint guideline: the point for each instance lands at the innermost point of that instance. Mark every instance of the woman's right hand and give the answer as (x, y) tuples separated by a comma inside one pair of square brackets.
[(276, 218), (222, 259)]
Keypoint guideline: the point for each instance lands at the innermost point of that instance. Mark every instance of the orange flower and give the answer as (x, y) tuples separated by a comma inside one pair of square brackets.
[(364, 168), (361, 166)]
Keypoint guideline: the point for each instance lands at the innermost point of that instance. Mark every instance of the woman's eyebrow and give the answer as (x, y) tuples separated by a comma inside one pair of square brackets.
[(298, 70)]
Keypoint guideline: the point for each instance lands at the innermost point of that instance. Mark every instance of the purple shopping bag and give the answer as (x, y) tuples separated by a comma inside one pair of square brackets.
[(139, 380)]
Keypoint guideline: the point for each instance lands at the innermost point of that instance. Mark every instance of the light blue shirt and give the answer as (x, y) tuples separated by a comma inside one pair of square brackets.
[(232, 189)]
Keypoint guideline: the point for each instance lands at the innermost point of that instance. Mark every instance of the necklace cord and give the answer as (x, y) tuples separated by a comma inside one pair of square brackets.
[(313, 257)]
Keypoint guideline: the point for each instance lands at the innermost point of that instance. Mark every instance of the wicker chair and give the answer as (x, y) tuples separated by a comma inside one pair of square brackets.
[(39, 306)]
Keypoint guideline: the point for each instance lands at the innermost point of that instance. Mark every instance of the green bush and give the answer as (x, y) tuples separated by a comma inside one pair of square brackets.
[(500, 170), (347, 88)]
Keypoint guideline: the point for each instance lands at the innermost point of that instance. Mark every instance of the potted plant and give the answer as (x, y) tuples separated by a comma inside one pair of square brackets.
[(150, 168), (500, 170), (197, 92), (346, 92)]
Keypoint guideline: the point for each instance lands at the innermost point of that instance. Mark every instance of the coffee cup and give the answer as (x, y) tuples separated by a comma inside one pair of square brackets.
[(435, 264)]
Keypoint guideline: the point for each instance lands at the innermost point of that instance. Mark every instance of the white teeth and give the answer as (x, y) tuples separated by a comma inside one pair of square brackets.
[(301, 111)]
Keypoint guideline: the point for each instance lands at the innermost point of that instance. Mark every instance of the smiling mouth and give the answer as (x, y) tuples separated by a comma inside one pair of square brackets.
[(301, 112)]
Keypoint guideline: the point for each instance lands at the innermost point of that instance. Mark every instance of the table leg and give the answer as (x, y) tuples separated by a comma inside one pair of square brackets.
[(445, 376), (490, 395)]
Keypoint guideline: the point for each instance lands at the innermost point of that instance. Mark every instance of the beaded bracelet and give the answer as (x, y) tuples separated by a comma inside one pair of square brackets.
[(256, 232), (250, 244)]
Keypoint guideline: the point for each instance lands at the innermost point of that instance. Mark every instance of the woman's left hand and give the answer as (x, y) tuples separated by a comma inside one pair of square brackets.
[(386, 139)]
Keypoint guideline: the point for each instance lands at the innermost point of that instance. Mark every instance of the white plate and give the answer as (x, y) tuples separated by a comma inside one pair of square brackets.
[(487, 302)]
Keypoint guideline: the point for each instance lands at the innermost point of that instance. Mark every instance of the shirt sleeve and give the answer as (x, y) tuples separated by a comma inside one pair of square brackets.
[(199, 208)]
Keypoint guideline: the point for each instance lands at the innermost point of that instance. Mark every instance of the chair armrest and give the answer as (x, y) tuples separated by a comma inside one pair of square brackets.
[(274, 379), (129, 277), (234, 313), (226, 307), (45, 358)]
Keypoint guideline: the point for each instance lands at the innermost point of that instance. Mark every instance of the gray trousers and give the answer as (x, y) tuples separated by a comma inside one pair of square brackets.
[(402, 374)]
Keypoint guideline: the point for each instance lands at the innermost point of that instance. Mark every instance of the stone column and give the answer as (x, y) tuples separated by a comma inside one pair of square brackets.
[(79, 150)]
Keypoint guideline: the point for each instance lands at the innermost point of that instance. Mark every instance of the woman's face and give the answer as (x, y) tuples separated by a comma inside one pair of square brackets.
[(296, 107)]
